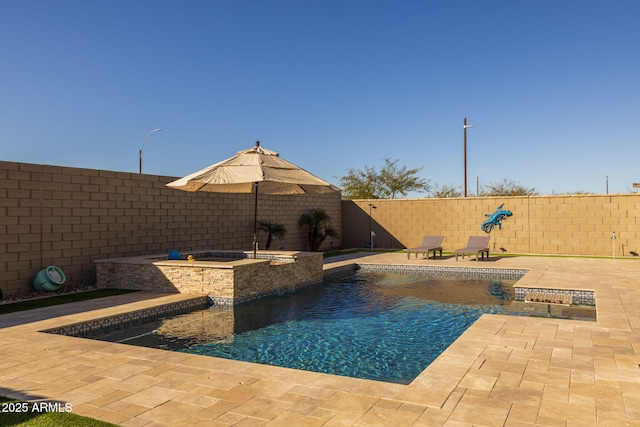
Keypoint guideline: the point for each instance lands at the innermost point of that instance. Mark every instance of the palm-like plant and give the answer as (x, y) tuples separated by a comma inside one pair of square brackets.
[(273, 229), (319, 224)]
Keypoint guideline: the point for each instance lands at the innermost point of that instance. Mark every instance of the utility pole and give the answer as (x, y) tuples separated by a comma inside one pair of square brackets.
[(465, 126)]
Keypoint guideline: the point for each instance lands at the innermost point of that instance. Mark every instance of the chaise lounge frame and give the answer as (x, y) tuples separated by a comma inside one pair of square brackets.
[(429, 243), (478, 245)]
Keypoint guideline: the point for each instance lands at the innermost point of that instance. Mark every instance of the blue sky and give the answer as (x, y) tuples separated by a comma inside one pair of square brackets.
[(552, 87)]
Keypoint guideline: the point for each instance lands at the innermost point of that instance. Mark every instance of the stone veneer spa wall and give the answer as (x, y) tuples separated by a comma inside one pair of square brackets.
[(226, 277)]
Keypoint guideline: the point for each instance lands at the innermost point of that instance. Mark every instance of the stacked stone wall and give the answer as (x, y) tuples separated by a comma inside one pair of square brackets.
[(229, 282)]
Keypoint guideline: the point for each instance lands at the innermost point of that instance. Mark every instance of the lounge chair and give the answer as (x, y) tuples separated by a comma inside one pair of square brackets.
[(478, 245), (429, 243)]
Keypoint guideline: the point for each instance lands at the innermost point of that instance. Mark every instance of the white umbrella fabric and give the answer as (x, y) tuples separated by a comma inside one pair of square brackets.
[(256, 170)]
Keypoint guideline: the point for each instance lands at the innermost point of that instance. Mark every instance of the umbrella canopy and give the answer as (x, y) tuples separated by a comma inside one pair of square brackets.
[(256, 170)]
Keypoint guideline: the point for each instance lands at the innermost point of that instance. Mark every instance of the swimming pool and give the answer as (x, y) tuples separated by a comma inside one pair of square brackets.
[(382, 326)]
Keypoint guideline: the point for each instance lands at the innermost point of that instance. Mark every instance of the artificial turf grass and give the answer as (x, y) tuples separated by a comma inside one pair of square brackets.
[(357, 250), (497, 254), (60, 299), (36, 414)]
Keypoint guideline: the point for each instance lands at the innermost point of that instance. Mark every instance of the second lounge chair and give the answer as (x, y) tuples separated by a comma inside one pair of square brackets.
[(478, 245)]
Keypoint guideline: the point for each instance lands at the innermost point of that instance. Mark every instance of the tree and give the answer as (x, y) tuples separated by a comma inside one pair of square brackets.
[(508, 188), (568, 193), (272, 229), (445, 190), (360, 184), (387, 183), (319, 224)]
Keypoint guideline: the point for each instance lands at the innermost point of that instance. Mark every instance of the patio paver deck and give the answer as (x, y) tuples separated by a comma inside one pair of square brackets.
[(504, 370)]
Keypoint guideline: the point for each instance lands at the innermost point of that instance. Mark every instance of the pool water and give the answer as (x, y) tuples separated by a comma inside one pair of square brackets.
[(380, 326), (364, 327)]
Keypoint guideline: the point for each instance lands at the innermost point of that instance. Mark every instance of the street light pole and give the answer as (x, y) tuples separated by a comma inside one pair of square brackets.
[(465, 126), (142, 146)]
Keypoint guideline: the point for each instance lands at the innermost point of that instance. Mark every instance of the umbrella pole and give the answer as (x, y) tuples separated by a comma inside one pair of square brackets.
[(255, 224)]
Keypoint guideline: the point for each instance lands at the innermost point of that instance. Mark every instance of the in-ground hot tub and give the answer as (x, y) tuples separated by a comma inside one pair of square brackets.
[(228, 277)]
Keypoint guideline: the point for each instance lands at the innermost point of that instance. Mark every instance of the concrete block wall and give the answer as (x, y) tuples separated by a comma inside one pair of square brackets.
[(554, 225), (69, 217)]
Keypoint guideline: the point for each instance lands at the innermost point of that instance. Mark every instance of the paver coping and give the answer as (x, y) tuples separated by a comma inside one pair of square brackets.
[(505, 370)]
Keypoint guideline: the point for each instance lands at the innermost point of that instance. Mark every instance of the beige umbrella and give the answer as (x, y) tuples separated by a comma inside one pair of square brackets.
[(256, 170)]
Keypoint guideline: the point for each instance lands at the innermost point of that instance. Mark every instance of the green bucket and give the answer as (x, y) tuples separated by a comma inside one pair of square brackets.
[(50, 279)]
